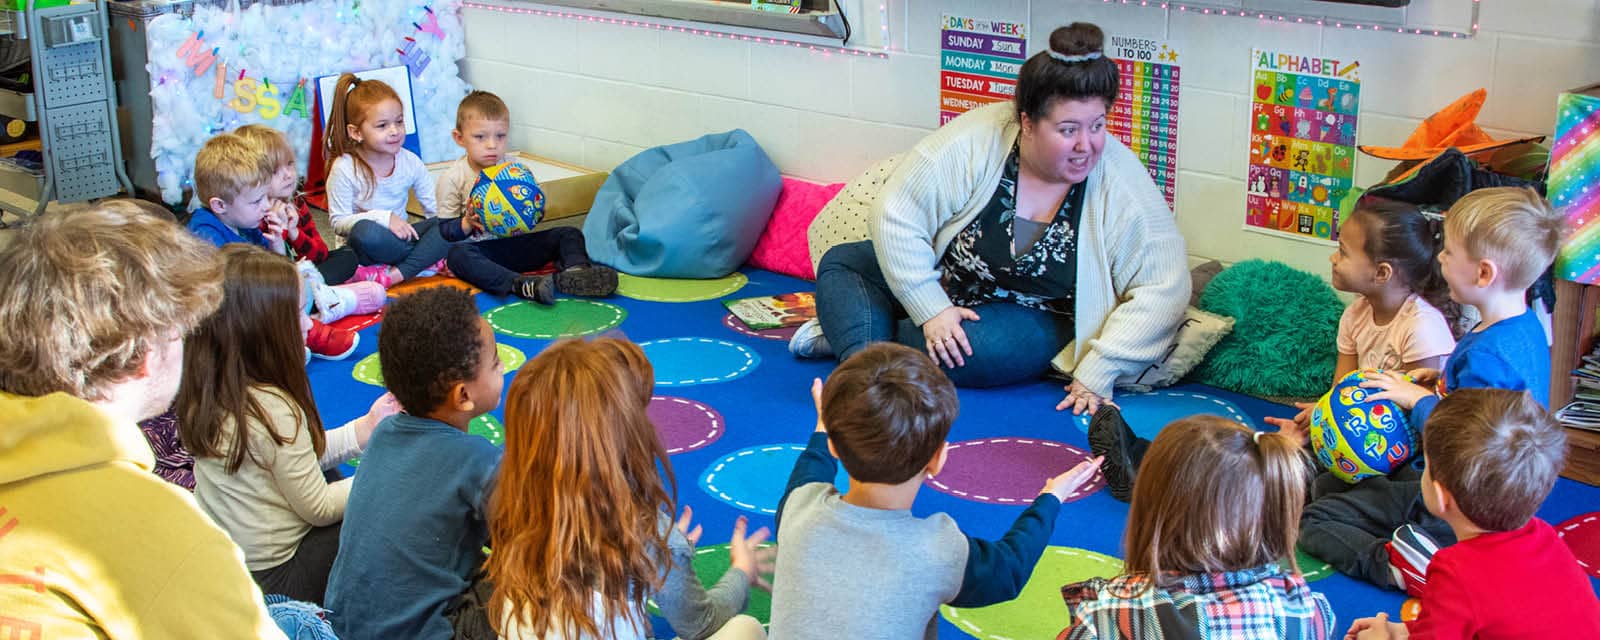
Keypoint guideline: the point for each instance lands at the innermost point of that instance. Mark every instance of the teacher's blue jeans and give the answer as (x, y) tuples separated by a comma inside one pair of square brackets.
[(1010, 343)]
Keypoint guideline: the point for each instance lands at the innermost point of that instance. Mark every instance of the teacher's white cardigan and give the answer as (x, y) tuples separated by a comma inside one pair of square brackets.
[(1133, 280)]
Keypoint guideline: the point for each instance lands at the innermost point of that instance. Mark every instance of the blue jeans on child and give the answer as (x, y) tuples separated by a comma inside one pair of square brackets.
[(1010, 343), (374, 243), (492, 265)]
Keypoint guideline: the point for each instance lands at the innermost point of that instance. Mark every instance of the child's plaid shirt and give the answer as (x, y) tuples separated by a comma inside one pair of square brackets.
[(1263, 603)]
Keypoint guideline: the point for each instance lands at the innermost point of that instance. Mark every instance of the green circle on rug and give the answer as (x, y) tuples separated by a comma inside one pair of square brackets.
[(370, 371), (1037, 612), (679, 290), (567, 318), (710, 562), (489, 427), (1311, 568)]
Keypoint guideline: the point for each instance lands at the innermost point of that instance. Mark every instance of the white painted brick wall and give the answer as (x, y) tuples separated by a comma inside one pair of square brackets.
[(595, 94)]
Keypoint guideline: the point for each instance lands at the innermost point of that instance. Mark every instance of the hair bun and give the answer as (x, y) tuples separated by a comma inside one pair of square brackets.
[(1078, 38)]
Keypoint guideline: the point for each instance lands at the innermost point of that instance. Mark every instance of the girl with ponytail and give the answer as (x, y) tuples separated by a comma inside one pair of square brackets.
[(1210, 543)]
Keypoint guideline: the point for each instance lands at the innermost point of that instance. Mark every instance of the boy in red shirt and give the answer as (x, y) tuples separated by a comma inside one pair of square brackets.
[(1492, 456)]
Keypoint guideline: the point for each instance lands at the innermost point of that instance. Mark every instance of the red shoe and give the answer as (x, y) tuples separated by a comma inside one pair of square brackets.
[(330, 343), (378, 273)]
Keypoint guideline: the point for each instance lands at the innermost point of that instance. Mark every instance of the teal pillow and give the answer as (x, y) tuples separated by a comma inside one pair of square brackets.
[(1285, 332)]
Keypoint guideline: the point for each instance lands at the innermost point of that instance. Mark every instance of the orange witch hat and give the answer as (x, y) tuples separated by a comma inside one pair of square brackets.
[(1454, 126)]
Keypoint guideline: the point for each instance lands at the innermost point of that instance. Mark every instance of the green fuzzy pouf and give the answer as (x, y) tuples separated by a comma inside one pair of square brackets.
[(1286, 324)]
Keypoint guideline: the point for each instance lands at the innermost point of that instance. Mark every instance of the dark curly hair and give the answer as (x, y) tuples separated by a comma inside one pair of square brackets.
[(428, 343)]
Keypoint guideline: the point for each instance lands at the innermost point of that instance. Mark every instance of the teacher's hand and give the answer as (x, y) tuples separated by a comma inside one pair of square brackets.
[(1081, 400), (946, 340)]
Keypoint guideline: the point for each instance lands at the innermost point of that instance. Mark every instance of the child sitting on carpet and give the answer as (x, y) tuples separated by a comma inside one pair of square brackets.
[(496, 264), (247, 416), (1387, 256), (231, 181), (860, 565), (415, 525), (290, 210), (1209, 555), (1492, 458), (370, 175), (1497, 241), (582, 530)]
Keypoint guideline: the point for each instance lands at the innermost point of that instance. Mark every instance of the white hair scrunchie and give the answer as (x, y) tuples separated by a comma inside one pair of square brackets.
[(1092, 55)]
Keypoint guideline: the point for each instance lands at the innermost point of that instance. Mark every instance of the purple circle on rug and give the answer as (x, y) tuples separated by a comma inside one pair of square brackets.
[(1009, 470), (781, 333), (684, 424)]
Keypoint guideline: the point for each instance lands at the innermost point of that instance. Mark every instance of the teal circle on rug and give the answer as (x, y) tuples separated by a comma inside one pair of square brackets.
[(567, 318), (710, 562), (679, 290), (680, 362), (1147, 413), (753, 479), (370, 369), (1037, 612)]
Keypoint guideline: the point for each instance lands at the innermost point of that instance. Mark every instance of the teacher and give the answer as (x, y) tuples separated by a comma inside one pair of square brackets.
[(1016, 237)]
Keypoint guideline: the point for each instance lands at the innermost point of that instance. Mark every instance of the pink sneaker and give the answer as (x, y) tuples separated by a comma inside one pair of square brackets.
[(437, 269), (378, 273), (369, 297)]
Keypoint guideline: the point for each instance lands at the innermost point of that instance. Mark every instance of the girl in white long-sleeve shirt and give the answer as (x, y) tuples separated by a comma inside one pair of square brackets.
[(246, 413)]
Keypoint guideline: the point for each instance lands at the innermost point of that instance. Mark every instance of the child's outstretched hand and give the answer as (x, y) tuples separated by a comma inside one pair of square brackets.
[(816, 401), (746, 554), (1296, 428), (1393, 387), (684, 523), (1064, 485), (401, 227), (1377, 628)]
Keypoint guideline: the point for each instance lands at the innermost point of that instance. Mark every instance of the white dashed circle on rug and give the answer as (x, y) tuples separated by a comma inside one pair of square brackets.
[(1009, 470), (1582, 535), (1147, 413), (1037, 611), (753, 479), (681, 362), (684, 424), (781, 333)]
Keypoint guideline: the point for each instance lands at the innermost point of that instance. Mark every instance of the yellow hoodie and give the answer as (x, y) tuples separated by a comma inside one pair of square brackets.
[(94, 545)]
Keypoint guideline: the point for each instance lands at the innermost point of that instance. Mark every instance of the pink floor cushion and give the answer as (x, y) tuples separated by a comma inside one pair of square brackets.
[(782, 247)]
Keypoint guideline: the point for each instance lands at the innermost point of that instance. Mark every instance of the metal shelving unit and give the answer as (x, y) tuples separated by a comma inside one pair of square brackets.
[(73, 103)]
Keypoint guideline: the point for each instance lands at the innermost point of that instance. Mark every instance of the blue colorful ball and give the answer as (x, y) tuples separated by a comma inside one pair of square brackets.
[(1356, 437), (507, 200)]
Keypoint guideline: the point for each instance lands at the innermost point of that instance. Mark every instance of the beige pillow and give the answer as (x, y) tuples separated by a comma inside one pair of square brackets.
[(1200, 331)]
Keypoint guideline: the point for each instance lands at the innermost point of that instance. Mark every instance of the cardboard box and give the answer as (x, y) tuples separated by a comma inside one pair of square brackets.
[(568, 189)]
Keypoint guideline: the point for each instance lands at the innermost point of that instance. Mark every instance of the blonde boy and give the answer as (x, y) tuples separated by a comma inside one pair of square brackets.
[(1496, 243), (231, 181)]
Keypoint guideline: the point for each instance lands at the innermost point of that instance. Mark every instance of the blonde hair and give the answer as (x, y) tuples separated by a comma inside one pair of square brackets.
[(1497, 451), (1513, 226), (481, 104), (269, 143), (352, 99), (87, 291), (1188, 517), (226, 166)]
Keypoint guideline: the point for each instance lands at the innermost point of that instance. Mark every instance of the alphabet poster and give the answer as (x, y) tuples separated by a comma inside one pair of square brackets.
[(1145, 116), (1302, 143), (979, 61)]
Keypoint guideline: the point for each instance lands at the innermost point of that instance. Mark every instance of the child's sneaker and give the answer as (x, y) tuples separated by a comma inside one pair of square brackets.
[(1111, 437), (808, 341), (437, 269), (331, 343), (589, 281), (378, 273), (540, 289), (1410, 551), (364, 297)]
